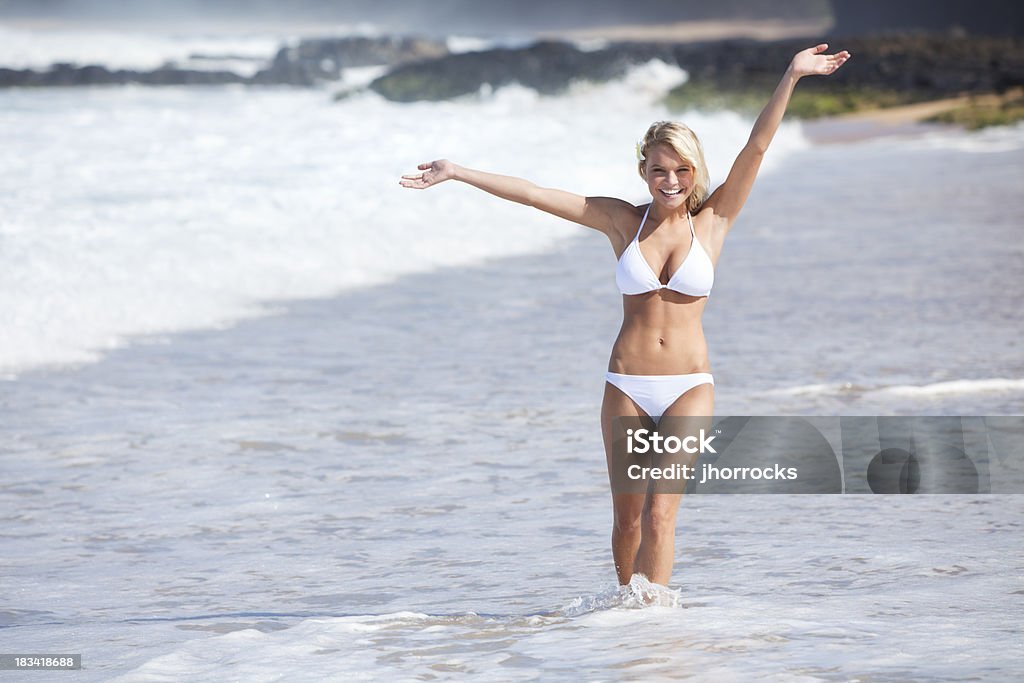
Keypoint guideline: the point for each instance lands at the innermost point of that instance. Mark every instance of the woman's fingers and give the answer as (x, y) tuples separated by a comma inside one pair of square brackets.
[(433, 172), (416, 181), (833, 62)]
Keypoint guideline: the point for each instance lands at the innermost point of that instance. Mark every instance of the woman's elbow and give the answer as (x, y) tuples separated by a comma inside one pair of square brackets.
[(530, 196), (757, 147)]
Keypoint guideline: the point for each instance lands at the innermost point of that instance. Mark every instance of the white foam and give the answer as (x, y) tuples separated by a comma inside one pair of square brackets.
[(361, 76), (655, 77), (811, 390), (955, 387), (639, 593), (461, 44), (590, 44), (991, 140), (949, 388), (38, 48)]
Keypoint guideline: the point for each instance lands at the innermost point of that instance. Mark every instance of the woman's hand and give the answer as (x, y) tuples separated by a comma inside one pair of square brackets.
[(811, 62), (434, 172)]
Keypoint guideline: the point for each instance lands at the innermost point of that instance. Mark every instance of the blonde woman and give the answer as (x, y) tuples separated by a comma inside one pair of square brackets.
[(667, 251)]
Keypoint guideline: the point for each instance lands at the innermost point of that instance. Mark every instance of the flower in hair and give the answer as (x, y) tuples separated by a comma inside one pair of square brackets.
[(640, 150)]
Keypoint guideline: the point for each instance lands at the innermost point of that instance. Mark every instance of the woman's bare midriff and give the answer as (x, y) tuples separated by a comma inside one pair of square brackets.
[(661, 335)]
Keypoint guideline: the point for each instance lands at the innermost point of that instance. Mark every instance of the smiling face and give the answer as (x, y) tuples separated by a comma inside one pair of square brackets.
[(670, 159), (670, 177)]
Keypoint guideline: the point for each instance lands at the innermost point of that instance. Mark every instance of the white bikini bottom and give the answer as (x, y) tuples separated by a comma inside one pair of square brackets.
[(655, 393)]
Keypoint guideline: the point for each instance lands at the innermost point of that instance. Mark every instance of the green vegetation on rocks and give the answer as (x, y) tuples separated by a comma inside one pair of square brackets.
[(981, 114), (807, 103)]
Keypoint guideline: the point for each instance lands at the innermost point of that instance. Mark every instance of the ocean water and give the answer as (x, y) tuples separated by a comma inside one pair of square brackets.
[(238, 46), (40, 44), (268, 416)]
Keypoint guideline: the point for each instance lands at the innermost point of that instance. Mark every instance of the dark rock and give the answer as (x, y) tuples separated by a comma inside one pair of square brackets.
[(172, 76), (935, 65), (548, 67), (323, 59), (65, 75)]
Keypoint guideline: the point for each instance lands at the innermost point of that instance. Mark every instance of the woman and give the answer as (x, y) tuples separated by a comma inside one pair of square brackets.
[(667, 254)]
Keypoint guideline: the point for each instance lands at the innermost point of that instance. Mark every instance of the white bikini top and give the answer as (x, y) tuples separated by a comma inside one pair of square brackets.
[(694, 277)]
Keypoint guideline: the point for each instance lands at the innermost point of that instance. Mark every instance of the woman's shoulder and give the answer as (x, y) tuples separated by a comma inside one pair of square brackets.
[(711, 228), (622, 216), (630, 215), (619, 208), (627, 220)]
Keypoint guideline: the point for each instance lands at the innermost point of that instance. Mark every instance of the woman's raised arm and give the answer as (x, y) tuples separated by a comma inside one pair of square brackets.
[(728, 199), (599, 213)]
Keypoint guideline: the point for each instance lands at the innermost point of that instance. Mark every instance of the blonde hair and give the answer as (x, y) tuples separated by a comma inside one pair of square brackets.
[(685, 143)]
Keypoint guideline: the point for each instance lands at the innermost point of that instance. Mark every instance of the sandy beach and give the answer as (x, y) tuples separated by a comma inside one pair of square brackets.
[(910, 119), (914, 113)]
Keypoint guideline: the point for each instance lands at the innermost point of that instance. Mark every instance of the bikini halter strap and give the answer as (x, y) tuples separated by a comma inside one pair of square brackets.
[(643, 222)]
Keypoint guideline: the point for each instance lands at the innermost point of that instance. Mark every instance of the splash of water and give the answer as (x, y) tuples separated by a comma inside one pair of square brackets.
[(639, 593)]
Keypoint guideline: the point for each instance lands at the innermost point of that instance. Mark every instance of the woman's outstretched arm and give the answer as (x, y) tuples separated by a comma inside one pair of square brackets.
[(600, 213), (728, 199)]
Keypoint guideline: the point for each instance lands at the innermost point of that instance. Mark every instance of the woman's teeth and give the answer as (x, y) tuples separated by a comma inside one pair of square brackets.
[(670, 194)]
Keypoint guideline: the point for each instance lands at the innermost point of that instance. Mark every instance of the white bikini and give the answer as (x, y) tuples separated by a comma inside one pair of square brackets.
[(694, 277)]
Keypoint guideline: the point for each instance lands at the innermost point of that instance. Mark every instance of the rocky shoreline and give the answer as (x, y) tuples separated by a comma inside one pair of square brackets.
[(313, 61), (887, 70)]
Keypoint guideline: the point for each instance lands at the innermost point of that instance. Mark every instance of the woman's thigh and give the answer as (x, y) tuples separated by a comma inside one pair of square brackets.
[(628, 506)]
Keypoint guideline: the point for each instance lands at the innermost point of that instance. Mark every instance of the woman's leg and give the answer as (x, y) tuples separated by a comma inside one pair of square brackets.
[(627, 507), (656, 552)]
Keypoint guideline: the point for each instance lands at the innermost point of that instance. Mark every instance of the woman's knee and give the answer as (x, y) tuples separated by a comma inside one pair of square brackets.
[(660, 519), (628, 515), (627, 524)]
